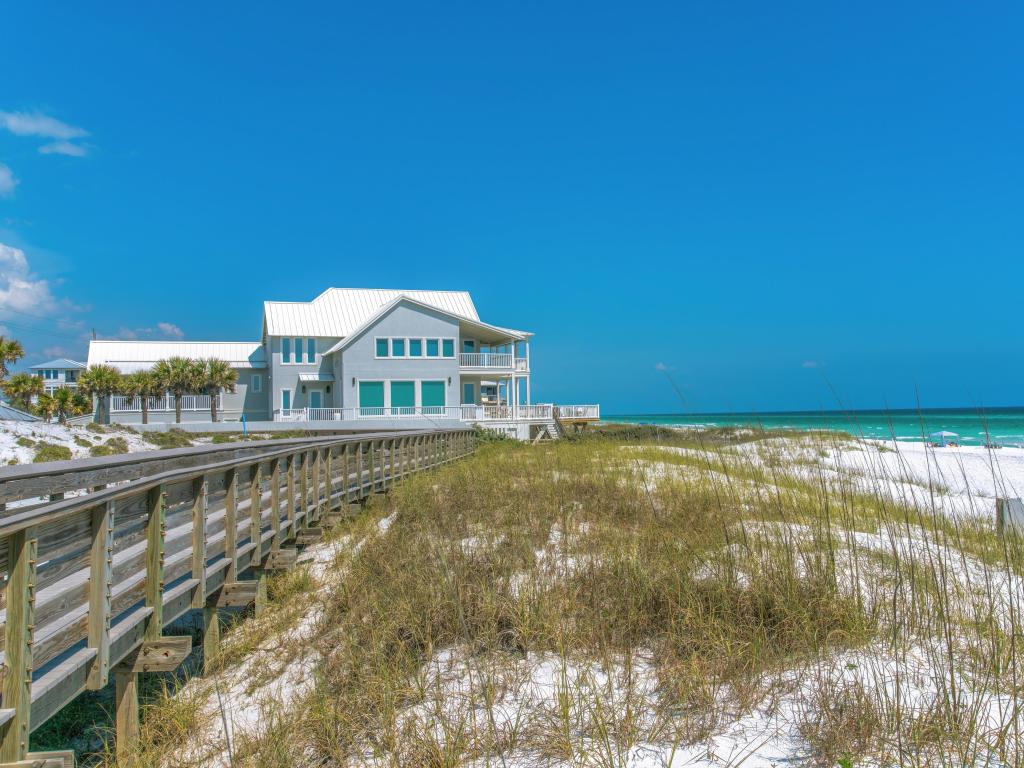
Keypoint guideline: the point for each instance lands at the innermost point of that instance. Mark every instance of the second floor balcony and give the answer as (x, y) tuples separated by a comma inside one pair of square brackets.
[(493, 361)]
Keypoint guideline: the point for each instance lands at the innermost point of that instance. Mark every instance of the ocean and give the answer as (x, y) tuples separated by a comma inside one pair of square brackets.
[(1002, 426)]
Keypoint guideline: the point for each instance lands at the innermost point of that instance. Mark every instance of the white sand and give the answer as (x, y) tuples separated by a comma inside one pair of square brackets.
[(12, 452)]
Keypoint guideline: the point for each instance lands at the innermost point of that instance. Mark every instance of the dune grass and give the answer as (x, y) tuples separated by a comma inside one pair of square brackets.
[(590, 603)]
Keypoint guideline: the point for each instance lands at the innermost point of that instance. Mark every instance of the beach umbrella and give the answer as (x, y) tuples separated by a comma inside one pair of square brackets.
[(944, 437)]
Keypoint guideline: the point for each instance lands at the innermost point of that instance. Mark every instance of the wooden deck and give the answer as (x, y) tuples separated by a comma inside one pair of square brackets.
[(99, 555)]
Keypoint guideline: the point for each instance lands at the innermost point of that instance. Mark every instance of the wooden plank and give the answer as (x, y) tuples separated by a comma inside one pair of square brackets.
[(126, 711), (164, 654), (155, 563), (255, 502), (281, 559), (231, 522), (17, 681), (275, 501), (101, 577), (237, 594), (307, 536)]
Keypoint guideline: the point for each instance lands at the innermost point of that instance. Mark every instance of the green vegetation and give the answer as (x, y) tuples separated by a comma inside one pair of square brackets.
[(172, 438), (113, 446), (26, 442), (51, 452)]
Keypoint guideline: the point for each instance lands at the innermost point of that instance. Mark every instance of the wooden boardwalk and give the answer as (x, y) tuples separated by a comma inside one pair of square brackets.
[(99, 555)]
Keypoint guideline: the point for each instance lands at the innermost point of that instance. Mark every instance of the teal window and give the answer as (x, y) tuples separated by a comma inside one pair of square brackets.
[(432, 347), (371, 394), (467, 394), (382, 347), (468, 345), (398, 347), (432, 394), (286, 350), (311, 350), (298, 350), (257, 383), (415, 347), (286, 399), (448, 348), (403, 394)]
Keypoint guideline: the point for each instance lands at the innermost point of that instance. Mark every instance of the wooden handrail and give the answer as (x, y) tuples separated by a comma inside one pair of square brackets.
[(92, 580)]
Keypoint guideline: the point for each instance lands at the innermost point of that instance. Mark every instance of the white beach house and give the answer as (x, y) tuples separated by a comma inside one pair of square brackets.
[(368, 358), (58, 373)]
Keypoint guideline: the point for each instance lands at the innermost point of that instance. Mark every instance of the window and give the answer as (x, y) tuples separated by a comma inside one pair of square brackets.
[(398, 347), (298, 350), (257, 383), (432, 347), (403, 394), (415, 347), (286, 399), (286, 350), (468, 345), (311, 350), (448, 348), (371, 394), (432, 394), (382, 347)]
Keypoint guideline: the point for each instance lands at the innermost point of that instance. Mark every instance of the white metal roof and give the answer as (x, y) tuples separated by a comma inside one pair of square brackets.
[(129, 356), (316, 377), (339, 311)]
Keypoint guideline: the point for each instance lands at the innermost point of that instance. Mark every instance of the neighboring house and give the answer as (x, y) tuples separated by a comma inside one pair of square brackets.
[(58, 373), (370, 358)]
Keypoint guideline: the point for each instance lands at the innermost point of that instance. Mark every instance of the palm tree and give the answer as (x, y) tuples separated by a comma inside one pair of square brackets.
[(11, 351), (45, 406), (101, 381), (141, 384), (67, 402), (21, 388), (218, 377), (179, 376)]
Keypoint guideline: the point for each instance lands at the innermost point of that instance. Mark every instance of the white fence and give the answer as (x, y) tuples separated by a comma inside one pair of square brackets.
[(123, 404), (494, 360), (468, 413)]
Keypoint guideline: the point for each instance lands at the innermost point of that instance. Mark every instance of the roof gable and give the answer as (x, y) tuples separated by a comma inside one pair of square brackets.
[(61, 362), (338, 312)]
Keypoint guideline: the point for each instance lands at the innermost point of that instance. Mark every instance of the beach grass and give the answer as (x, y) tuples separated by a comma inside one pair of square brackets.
[(687, 599)]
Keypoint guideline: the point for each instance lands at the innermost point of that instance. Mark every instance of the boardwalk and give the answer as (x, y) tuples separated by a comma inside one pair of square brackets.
[(99, 555)]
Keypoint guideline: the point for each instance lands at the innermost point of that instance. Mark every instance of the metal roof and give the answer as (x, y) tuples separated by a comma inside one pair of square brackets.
[(60, 362), (10, 413), (129, 356), (339, 311), (316, 377)]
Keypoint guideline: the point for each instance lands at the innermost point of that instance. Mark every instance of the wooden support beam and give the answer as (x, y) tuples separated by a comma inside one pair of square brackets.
[(63, 758), (275, 503), (156, 532), (211, 637), (101, 578), (163, 655), (18, 636), (237, 594), (303, 488), (231, 523), (200, 489), (126, 711), (290, 477)]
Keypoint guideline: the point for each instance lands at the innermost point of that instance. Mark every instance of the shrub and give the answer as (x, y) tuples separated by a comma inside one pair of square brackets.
[(172, 438), (112, 447), (26, 442), (51, 452), (82, 442), (94, 427)]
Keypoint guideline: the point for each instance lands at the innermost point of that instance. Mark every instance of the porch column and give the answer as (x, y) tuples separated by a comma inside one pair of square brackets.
[(528, 383)]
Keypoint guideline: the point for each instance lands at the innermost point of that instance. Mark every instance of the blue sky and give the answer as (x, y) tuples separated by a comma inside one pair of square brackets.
[(785, 206)]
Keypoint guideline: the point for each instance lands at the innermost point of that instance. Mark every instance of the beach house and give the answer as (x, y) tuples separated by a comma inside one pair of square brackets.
[(363, 359), (58, 373)]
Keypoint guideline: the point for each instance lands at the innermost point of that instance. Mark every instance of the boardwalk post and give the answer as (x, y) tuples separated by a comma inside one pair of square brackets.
[(304, 489), (18, 635), (256, 535), (101, 574), (359, 471), (290, 477), (200, 488), (231, 523), (275, 503), (329, 474)]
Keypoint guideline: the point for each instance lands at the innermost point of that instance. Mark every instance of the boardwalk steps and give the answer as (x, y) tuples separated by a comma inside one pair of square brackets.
[(92, 580)]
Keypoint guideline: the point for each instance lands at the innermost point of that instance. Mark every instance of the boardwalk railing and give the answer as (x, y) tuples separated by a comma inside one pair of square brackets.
[(90, 581)]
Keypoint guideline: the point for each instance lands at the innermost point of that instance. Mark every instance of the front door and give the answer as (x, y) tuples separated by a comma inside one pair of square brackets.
[(315, 400)]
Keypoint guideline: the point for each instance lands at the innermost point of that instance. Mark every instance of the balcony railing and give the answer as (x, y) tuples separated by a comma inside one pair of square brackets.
[(493, 361), (123, 404), (467, 413)]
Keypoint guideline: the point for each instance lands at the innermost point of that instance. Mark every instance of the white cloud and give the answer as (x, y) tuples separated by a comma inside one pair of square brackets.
[(663, 367), (809, 364), (63, 148), (43, 126), (20, 290), (170, 330), (7, 181)]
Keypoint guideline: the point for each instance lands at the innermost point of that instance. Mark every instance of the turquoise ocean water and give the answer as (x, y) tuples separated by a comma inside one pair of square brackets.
[(1004, 426)]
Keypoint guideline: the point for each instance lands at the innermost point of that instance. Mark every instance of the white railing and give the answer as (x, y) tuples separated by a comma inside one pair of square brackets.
[(522, 364), (469, 413), (124, 404), (578, 411), (486, 360)]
